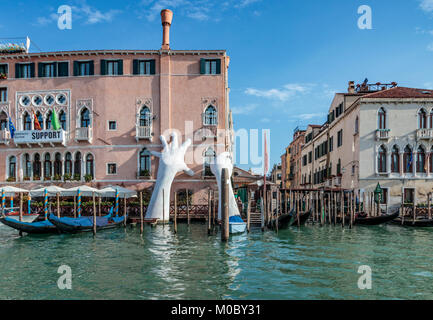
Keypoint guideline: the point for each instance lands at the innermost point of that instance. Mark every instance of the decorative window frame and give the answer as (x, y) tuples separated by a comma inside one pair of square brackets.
[(140, 102), (79, 106), (151, 157), (205, 103), (44, 107)]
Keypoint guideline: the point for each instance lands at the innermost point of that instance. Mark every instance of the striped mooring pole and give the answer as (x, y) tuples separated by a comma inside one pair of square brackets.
[(46, 204), (117, 202), (79, 203), (29, 200), (3, 201)]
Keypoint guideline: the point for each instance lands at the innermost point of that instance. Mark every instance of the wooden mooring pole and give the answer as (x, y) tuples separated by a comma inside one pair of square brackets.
[(248, 211), (75, 206), (187, 206), (209, 209), (94, 213), (21, 206), (225, 205), (428, 204), (141, 213), (175, 212), (124, 210), (58, 204)]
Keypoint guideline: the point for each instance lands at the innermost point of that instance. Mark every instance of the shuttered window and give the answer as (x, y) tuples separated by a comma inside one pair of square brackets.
[(53, 69), (210, 66), (84, 68), (24, 70), (112, 67), (143, 67)]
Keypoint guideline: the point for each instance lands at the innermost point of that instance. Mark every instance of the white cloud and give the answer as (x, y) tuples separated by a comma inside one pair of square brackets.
[(43, 21), (426, 5), (282, 94), (430, 47), (245, 3), (309, 116), (244, 109)]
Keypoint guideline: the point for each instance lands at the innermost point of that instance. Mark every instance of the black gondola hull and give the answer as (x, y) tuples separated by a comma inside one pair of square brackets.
[(374, 221), (28, 228)]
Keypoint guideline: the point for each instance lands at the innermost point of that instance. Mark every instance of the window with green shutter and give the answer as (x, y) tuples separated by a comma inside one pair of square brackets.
[(84, 68), (24, 70), (210, 66), (112, 67), (143, 67)]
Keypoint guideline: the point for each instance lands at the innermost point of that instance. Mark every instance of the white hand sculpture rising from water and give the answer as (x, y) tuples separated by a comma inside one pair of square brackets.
[(223, 161), (171, 161)]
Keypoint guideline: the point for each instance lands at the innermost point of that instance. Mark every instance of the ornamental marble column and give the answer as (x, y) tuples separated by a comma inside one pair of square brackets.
[(414, 163), (401, 163)]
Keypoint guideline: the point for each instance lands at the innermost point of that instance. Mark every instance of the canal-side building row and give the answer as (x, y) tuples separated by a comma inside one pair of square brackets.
[(112, 106), (375, 133)]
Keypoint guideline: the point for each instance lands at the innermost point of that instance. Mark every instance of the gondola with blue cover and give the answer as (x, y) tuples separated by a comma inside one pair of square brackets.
[(39, 227), (85, 224)]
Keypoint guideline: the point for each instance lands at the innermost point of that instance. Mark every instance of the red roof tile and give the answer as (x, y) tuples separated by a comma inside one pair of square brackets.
[(401, 92)]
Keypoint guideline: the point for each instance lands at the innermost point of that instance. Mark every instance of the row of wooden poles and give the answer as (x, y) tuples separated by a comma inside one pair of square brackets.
[(326, 206)]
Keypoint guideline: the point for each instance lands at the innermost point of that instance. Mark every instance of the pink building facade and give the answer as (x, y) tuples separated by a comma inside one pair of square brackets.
[(112, 106)]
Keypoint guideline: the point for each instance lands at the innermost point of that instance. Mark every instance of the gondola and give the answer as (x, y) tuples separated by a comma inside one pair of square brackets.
[(85, 224), (409, 222), (303, 217), (284, 221), (39, 227), (374, 221)]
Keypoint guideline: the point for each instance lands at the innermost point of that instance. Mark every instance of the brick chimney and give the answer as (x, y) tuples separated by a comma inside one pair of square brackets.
[(351, 88), (166, 18)]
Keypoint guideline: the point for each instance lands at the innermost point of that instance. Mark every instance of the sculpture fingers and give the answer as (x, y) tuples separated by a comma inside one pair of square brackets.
[(156, 154), (186, 144), (164, 142), (175, 141)]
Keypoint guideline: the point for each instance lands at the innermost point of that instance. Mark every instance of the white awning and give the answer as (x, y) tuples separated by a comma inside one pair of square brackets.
[(51, 191), (85, 191), (110, 192), (11, 191)]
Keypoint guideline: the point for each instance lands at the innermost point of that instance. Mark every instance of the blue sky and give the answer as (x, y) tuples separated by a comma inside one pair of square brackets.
[(287, 57)]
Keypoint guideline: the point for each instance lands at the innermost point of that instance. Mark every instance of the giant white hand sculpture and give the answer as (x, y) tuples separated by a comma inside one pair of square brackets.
[(171, 161), (223, 161)]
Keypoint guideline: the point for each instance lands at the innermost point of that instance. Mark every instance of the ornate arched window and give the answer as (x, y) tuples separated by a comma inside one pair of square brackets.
[(37, 167), (210, 116), (77, 166), (209, 156), (89, 165), (27, 165), (40, 119), (58, 164), (407, 160), (47, 166), (381, 160), (85, 118), (144, 163), (420, 160), (48, 120), (3, 121), (382, 119), (395, 160), (27, 121), (430, 159), (12, 167), (62, 119), (145, 117), (68, 163), (422, 119)]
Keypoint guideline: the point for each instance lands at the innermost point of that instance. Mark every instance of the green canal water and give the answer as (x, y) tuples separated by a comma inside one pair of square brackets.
[(310, 263)]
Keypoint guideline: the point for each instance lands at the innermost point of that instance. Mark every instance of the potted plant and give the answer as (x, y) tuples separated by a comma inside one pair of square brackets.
[(57, 177), (77, 177), (36, 178), (144, 174), (47, 178), (3, 76), (11, 179), (88, 177), (67, 176), (26, 178)]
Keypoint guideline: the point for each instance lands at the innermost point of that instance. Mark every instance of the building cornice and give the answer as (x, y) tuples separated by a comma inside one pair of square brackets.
[(89, 53)]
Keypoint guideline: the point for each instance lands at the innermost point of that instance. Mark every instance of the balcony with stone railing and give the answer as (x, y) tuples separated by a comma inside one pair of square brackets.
[(424, 134), (382, 134), (5, 136), (84, 134), (143, 132)]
